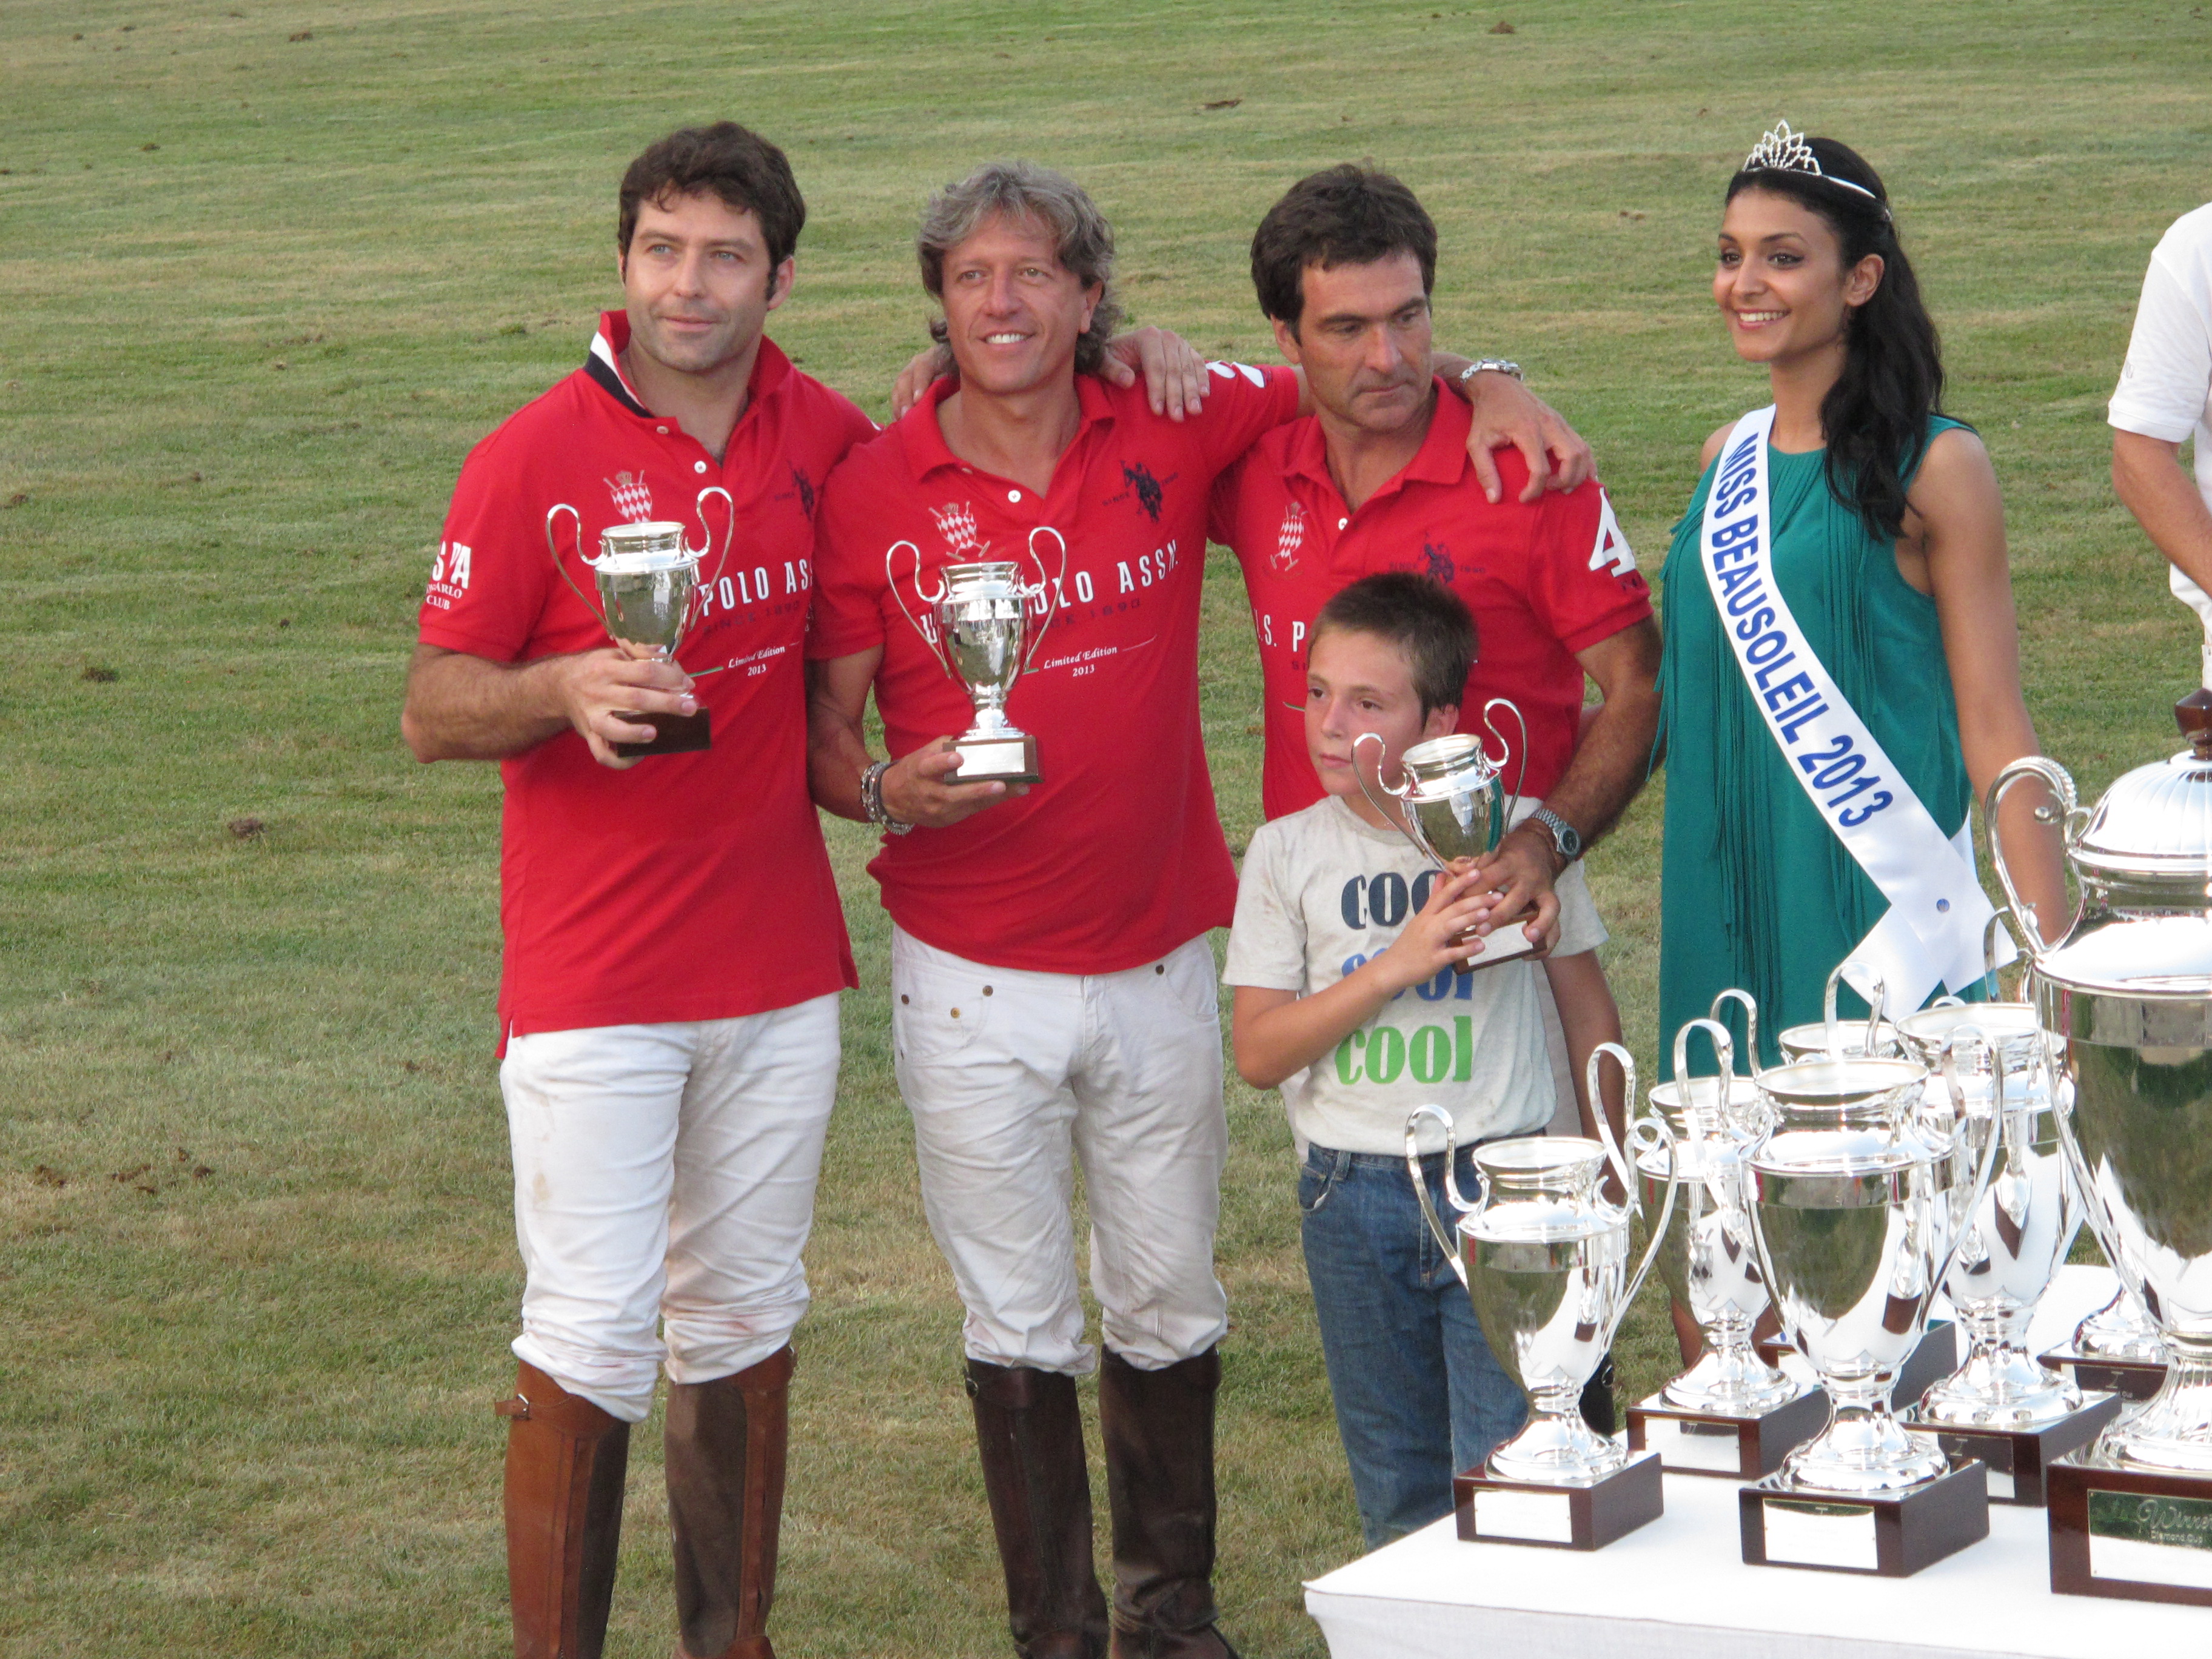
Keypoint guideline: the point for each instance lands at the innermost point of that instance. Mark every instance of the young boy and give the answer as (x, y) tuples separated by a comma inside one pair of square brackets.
[(1342, 957)]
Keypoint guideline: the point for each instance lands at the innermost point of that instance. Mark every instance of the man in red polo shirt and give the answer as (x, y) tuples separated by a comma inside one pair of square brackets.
[(1378, 479), (668, 1009), (1054, 987)]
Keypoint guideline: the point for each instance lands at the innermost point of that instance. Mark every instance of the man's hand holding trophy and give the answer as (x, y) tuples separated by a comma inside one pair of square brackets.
[(974, 620), (635, 700)]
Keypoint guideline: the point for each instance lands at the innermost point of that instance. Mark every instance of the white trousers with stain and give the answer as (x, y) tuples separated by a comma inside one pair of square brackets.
[(663, 1186)]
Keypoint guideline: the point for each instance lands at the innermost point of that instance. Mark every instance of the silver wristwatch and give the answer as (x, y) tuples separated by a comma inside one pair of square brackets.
[(1489, 366), (872, 799), (1566, 839)]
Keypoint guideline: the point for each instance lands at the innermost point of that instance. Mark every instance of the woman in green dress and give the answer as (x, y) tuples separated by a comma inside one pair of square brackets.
[(1884, 535)]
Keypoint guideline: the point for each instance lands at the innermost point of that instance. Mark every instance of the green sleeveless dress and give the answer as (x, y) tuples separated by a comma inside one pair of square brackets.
[(1755, 891)]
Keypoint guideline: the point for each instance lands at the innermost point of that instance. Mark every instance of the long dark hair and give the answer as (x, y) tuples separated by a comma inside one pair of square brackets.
[(1874, 418)]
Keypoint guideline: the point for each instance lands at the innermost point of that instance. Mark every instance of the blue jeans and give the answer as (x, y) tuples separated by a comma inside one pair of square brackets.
[(1419, 1394)]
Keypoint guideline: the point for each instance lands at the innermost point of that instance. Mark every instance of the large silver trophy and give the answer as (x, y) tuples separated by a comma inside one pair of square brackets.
[(2125, 1004), (1451, 804), (1731, 1413), (1545, 1255), (975, 624), (1855, 1188), (650, 593)]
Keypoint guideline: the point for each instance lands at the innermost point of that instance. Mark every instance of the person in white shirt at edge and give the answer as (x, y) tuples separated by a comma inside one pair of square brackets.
[(2164, 396), (1357, 1037)]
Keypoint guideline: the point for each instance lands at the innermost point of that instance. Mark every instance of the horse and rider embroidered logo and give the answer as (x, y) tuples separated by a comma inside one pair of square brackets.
[(957, 526), (632, 499), (1288, 540)]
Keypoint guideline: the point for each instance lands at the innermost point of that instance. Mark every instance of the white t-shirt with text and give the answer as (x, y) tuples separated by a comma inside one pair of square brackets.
[(1322, 893)]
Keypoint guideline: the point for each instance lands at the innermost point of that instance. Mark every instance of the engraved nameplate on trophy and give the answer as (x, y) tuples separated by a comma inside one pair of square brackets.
[(2020, 1460), (1494, 1511), (1741, 1448), (2131, 1534), (1890, 1535)]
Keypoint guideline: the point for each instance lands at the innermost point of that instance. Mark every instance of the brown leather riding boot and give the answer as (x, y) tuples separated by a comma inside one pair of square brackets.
[(565, 1461), (1029, 1430), (1158, 1427), (726, 1444)]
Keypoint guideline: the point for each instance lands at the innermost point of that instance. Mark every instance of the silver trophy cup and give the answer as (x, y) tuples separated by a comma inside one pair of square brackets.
[(1852, 1193), (2126, 1005), (1545, 1255), (648, 584), (975, 622), (2012, 1244), (1450, 800), (1708, 1258)]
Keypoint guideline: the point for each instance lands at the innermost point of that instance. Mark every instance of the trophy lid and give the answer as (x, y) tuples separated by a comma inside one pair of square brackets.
[(2157, 820)]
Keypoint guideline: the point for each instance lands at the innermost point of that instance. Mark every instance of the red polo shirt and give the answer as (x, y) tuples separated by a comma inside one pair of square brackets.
[(688, 886), (1544, 581), (1117, 856)]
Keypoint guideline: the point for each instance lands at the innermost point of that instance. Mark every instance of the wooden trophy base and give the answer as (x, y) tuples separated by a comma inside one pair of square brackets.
[(2019, 1459), (1011, 757), (2131, 1379), (1559, 1517), (1734, 1448), (1935, 1358), (1890, 1536), (672, 734), (2130, 1533)]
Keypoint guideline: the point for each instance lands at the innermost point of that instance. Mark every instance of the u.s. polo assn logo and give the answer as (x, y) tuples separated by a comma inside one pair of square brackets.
[(1288, 540), (957, 524), (632, 499)]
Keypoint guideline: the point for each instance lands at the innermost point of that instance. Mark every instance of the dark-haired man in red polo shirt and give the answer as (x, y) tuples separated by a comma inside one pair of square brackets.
[(1378, 479), (1054, 987), (668, 1010)]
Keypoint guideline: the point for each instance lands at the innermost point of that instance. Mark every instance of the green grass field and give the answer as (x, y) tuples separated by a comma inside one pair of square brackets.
[(271, 268)]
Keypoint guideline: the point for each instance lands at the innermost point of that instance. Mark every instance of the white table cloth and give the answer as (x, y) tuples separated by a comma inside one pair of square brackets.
[(1677, 1588)]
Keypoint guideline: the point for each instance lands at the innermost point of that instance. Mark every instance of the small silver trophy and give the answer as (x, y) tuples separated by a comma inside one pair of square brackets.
[(648, 583), (1545, 1255), (975, 623), (1451, 804)]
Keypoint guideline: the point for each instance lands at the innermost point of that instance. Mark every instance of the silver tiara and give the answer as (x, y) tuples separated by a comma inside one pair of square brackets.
[(1784, 151)]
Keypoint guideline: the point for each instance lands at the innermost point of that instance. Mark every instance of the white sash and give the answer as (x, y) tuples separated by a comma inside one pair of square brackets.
[(1932, 932)]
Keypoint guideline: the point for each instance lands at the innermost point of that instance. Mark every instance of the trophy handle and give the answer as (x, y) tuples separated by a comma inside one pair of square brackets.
[(1657, 1134), (1749, 1004), (1999, 923), (1961, 1034), (1723, 1051), (1049, 588), (1398, 794), (2056, 779), (1521, 776), (1627, 1062), (1451, 1180), (729, 531), (890, 580), (1875, 1005), (553, 546)]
